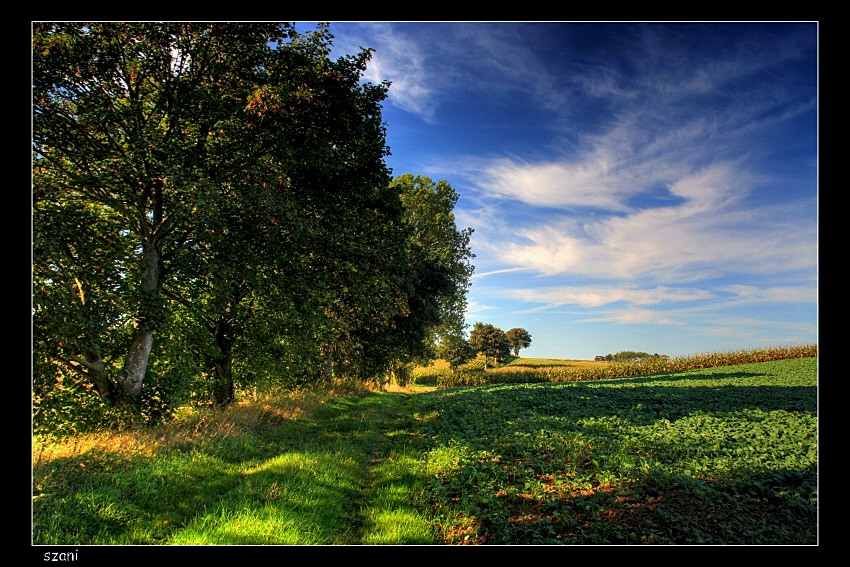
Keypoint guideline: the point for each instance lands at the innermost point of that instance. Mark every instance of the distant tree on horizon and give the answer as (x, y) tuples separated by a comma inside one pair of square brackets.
[(519, 339), (627, 355), (490, 341)]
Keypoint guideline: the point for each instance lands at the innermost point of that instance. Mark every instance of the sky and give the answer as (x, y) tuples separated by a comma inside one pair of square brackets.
[(634, 186)]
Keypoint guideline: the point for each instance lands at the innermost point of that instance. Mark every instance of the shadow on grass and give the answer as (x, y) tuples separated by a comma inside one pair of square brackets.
[(665, 509), (301, 481), (705, 458)]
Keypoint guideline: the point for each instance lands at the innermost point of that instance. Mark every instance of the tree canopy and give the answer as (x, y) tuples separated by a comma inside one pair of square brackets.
[(439, 260), (489, 341), (519, 339), (628, 356), (455, 350), (211, 199)]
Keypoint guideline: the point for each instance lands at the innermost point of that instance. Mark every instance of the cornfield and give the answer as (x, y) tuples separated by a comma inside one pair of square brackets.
[(471, 375)]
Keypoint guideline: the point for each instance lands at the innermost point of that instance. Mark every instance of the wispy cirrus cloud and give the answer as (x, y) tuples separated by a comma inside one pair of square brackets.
[(785, 294), (672, 202), (707, 235), (397, 58), (597, 296), (475, 308), (665, 299)]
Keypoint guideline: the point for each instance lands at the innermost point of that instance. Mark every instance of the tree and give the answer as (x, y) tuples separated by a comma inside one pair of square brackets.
[(436, 272), (455, 350), (311, 244), (489, 341), (208, 168), (440, 251), (518, 339), (125, 121), (627, 356)]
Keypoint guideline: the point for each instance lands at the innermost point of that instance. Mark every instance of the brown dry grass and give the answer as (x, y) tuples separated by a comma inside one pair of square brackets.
[(189, 428), (193, 427)]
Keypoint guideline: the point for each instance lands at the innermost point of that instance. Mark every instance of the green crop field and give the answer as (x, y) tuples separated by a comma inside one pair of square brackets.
[(724, 455)]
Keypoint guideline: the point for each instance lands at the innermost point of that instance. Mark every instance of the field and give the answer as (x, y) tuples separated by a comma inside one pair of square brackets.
[(718, 456), (710, 456), (521, 362), (546, 362), (439, 369)]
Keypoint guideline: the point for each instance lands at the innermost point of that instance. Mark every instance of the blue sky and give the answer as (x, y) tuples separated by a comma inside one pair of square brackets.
[(631, 186)]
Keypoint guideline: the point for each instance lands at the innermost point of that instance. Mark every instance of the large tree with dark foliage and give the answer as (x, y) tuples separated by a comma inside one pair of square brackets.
[(230, 173)]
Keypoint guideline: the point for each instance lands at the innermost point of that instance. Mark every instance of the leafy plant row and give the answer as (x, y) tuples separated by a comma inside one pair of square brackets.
[(713, 456)]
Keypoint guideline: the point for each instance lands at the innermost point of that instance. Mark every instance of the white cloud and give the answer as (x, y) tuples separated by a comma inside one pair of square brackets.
[(711, 312), (787, 294), (399, 59), (634, 316), (552, 297), (563, 185), (474, 307), (494, 272), (707, 232)]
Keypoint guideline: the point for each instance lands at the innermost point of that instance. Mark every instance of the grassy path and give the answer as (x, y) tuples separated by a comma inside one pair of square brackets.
[(341, 473), (345, 482), (379, 511)]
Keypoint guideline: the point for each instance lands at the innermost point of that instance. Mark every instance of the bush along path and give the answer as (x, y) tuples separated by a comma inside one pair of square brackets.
[(342, 472)]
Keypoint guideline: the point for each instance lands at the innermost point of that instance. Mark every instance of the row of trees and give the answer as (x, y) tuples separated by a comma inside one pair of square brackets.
[(486, 339), (211, 207)]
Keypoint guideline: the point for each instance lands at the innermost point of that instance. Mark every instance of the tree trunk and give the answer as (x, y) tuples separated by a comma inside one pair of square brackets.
[(132, 376), (93, 367), (399, 373), (326, 374), (225, 388)]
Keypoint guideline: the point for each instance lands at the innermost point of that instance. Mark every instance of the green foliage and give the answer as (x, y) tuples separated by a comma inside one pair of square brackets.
[(212, 211), (518, 339), (455, 350), (438, 267), (724, 455), (490, 341), (628, 356), (68, 406), (141, 126)]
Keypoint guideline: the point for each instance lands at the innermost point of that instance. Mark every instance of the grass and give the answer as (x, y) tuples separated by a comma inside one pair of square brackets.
[(302, 470), (722, 455)]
